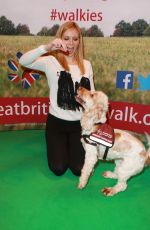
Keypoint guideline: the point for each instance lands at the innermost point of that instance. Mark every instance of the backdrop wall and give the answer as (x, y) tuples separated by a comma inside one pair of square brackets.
[(116, 42)]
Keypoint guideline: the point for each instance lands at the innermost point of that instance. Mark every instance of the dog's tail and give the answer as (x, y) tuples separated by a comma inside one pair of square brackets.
[(148, 150)]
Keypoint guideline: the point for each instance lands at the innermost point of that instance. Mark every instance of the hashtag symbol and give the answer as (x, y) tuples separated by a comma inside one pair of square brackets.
[(53, 14)]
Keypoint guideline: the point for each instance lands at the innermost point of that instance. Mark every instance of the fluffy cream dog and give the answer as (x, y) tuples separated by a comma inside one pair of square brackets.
[(128, 152)]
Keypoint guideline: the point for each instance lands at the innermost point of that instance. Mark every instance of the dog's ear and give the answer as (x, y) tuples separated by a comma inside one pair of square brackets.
[(100, 106)]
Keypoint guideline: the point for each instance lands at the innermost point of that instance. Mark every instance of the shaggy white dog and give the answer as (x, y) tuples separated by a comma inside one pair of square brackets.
[(128, 152)]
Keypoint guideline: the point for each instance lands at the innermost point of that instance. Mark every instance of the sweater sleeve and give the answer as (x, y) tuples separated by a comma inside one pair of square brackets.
[(33, 60)]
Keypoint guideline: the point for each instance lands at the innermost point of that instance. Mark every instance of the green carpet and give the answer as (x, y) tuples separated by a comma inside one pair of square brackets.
[(32, 198)]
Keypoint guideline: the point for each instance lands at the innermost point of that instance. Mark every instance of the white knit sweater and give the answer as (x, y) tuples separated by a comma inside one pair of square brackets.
[(51, 67)]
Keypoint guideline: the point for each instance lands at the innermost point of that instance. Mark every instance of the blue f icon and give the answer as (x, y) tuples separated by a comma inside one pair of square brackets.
[(124, 79)]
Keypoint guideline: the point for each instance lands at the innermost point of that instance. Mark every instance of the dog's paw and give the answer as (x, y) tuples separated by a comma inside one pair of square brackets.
[(108, 191), (109, 174), (81, 185)]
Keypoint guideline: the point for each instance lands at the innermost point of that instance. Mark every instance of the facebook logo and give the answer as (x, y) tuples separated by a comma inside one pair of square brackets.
[(124, 79)]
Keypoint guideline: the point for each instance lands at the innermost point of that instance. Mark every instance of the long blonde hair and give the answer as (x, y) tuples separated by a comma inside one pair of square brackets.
[(79, 55)]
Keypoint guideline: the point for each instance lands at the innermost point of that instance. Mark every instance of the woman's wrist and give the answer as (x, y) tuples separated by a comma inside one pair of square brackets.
[(48, 47)]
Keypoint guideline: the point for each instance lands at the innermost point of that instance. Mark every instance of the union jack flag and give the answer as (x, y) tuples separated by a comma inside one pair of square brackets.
[(28, 77), (13, 77), (13, 65)]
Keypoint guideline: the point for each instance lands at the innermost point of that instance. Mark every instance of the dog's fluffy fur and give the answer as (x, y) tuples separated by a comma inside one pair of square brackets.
[(128, 152)]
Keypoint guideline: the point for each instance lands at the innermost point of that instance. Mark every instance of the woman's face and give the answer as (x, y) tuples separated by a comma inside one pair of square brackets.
[(71, 40)]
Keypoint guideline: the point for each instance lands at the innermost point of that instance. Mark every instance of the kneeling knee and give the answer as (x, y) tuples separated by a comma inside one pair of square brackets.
[(58, 171), (76, 171)]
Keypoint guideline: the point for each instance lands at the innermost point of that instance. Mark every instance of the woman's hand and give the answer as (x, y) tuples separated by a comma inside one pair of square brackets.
[(56, 44)]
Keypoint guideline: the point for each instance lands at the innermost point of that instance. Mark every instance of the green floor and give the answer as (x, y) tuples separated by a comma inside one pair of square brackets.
[(32, 198)]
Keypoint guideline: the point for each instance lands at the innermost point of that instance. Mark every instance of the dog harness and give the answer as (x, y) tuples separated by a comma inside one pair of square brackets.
[(104, 135)]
